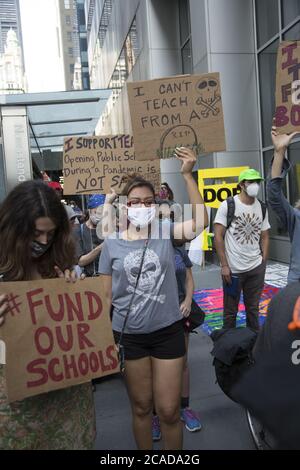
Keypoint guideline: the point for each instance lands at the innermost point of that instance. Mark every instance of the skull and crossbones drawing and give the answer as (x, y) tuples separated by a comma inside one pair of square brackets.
[(150, 279), (208, 97)]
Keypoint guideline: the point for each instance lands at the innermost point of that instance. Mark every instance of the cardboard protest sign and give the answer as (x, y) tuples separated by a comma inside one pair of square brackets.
[(214, 194), (287, 114), (176, 111), (95, 164), (56, 335)]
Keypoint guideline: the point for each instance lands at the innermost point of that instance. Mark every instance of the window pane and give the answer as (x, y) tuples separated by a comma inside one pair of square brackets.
[(294, 175), (187, 66), (267, 20), (275, 225), (81, 16), (293, 33), (184, 20), (267, 78), (290, 9)]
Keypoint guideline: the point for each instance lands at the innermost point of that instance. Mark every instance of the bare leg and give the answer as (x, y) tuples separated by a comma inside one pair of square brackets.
[(167, 384), (185, 392), (138, 374)]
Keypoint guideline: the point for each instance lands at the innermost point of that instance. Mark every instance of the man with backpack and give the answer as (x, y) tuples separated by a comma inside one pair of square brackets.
[(242, 241)]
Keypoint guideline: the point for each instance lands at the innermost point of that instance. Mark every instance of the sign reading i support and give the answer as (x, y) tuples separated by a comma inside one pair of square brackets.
[(95, 164)]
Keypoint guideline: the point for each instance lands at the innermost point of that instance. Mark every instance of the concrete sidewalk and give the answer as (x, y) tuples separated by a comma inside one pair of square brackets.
[(224, 422)]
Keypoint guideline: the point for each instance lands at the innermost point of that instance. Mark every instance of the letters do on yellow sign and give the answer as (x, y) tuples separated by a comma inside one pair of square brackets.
[(215, 194)]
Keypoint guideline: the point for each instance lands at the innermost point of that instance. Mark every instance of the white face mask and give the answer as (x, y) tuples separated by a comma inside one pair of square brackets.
[(252, 190), (141, 216)]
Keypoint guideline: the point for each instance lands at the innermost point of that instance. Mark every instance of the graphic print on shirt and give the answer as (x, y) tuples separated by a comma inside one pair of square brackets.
[(247, 229), (150, 280)]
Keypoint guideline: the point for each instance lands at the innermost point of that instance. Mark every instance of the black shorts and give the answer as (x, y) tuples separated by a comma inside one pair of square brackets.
[(167, 343)]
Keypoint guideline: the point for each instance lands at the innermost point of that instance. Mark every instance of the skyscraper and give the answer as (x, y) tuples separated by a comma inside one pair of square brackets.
[(73, 43), (10, 19)]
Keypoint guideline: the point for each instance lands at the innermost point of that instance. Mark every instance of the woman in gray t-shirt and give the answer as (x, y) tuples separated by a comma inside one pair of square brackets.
[(151, 330)]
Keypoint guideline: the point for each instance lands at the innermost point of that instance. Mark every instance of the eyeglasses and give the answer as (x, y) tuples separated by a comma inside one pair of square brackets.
[(139, 202)]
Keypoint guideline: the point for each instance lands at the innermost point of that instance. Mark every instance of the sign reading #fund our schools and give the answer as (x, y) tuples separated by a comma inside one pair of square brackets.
[(287, 114), (174, 112), (56, 334), (94, 164)]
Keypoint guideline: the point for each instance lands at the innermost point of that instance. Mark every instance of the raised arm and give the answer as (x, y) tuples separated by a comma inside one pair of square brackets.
[(281, 143), (186, 231), (280, 166), (108, 224)]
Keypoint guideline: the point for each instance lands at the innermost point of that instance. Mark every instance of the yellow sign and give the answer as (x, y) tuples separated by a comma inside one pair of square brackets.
[(207, 241), (215, 194)]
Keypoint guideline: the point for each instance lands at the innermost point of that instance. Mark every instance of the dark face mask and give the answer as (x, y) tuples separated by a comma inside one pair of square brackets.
[(38, 249)]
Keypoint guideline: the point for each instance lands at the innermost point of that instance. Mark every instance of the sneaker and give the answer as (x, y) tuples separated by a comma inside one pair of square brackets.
[(190, 420), (156, 434)]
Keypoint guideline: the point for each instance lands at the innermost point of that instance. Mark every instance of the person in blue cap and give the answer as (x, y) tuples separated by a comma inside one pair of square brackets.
[(88, 244)]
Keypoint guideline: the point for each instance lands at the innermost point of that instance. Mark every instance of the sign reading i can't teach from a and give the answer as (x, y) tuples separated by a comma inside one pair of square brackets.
[(176, 111), (56, 335), (95, 164), (287, 114)]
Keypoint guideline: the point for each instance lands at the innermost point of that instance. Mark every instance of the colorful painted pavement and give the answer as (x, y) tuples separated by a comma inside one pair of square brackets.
[(211, 302)]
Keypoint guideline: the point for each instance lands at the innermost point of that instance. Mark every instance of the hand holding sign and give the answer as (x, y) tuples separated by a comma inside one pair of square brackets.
[(111, 196), (281, 141), (68, 275), (188, 159)]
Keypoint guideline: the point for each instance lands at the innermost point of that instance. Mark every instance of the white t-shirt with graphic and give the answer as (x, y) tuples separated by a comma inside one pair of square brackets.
[(242, 238)]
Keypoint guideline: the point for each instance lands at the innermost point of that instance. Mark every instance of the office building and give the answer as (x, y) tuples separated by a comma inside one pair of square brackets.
[(73, 44)]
